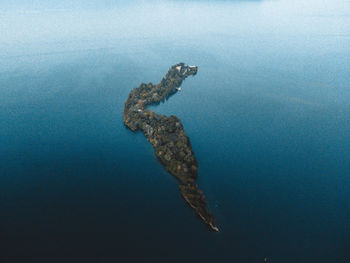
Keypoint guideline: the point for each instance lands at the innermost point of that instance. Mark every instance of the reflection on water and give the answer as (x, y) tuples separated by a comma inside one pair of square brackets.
[(267, 116)]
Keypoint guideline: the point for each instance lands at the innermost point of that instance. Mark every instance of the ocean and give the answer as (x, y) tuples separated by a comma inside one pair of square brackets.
[(267, 116)]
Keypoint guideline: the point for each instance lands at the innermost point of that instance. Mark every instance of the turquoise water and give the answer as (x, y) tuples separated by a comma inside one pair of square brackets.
[(267, 115)]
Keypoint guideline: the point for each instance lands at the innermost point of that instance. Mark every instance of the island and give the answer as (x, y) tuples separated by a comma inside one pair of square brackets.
[(167, 135)]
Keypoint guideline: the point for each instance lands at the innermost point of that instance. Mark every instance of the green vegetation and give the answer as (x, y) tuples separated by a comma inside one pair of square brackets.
[(167, 135)]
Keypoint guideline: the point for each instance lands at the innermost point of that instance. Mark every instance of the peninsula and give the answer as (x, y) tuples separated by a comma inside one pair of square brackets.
[(168, 137)]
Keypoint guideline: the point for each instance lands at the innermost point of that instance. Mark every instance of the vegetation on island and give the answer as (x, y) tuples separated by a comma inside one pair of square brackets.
[(167, 135)]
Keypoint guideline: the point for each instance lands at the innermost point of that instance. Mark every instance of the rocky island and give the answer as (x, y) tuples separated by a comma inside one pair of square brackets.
[(167, 135)]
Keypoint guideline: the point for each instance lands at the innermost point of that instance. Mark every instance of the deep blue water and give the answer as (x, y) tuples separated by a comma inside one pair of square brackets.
[(267, 115)]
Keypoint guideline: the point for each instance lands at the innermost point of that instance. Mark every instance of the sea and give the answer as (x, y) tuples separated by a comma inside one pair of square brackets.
[(268, 116)]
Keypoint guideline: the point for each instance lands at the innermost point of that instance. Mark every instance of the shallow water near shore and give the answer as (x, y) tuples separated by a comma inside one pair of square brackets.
[(267, 115)]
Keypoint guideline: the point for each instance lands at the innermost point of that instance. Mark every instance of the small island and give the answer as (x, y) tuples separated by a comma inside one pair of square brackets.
[(167, 135)]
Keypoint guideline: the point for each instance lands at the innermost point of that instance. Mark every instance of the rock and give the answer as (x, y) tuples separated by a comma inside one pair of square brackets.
[(149, 130)]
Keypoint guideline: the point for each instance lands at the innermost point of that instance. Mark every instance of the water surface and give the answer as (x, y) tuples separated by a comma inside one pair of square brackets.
[(267, 115)]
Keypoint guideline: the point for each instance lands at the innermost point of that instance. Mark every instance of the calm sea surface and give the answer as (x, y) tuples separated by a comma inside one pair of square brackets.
[(268, 115)]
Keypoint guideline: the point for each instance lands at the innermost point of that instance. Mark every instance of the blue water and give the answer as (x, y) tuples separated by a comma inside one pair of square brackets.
[(267, 115)]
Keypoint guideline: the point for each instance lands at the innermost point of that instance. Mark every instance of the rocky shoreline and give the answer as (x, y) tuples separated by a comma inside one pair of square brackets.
[(167, 135)]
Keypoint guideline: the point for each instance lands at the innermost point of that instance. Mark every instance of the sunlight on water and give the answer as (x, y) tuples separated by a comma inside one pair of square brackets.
[(172, 20)]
